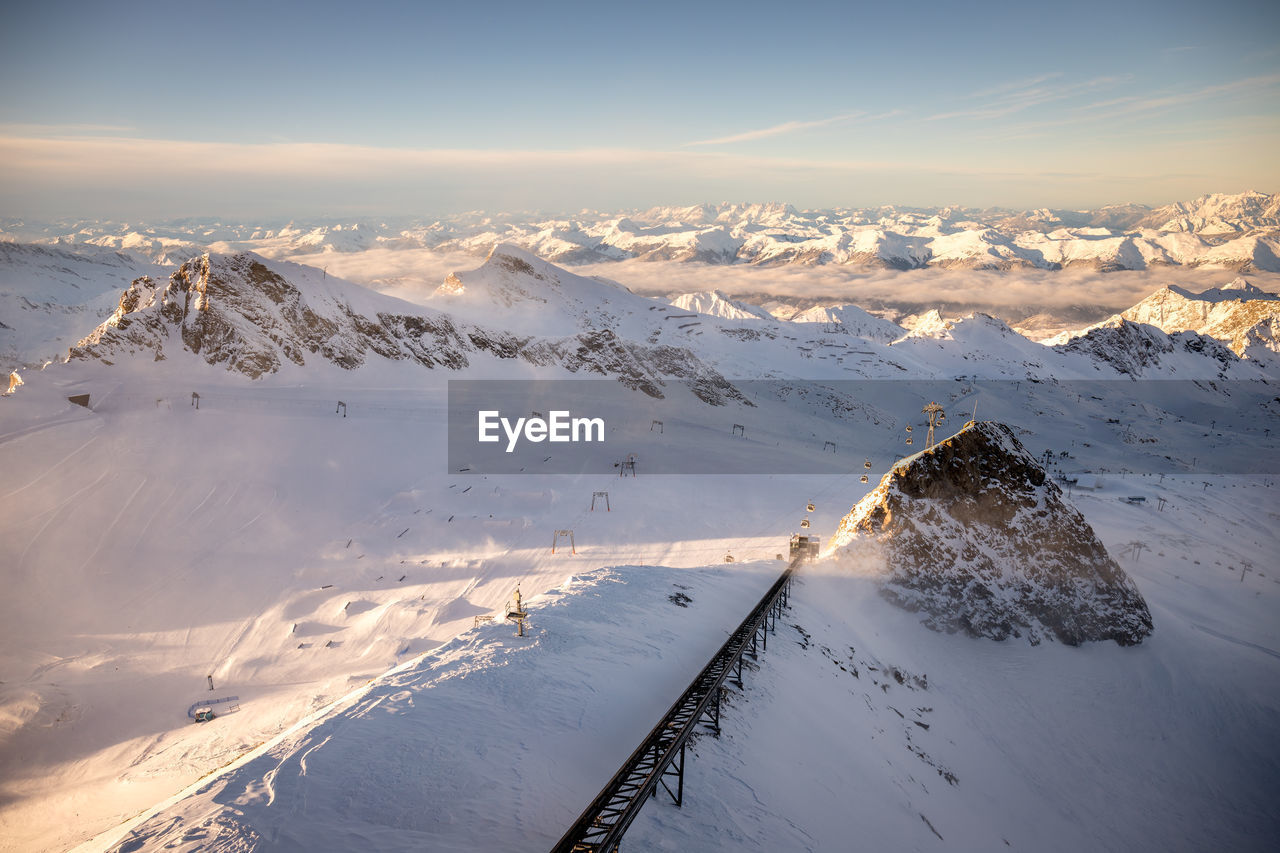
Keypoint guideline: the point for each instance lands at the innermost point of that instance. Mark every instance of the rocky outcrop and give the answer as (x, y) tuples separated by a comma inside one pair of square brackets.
[(234, 310), (1133, 349), (980, 541)]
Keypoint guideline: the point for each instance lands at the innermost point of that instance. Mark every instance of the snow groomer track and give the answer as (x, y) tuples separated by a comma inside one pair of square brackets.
[(661, 754)]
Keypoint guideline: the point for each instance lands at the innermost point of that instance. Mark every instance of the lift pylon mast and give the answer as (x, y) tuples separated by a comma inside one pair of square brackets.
[(936, 416)]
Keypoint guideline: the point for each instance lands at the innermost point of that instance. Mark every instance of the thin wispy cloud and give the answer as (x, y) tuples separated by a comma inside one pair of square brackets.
[(1150, 102), (108, 159), (42, 175), (1017, 97), (777, 130), (1142, 106), (1014, 85), (1115, 111), (61, 130)]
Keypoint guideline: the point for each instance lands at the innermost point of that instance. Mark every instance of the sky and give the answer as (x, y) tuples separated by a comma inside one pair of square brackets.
[(266, 109)]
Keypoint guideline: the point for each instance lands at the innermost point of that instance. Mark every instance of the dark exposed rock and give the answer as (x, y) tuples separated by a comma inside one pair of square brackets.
[(980, 540), (1132, 348)]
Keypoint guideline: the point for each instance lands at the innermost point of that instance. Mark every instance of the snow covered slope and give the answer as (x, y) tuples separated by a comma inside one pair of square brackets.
[(488, 739), (863, 729), (856, 717), (295, 550), (51, 295)]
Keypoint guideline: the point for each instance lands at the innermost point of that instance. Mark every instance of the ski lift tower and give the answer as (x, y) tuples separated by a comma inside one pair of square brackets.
[(516, 612), (936, 416)]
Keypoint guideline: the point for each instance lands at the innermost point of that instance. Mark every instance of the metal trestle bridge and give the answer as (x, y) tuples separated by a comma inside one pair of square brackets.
[(660, 758)]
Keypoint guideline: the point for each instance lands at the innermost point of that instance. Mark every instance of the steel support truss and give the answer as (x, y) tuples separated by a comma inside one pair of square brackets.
[(660, 758)]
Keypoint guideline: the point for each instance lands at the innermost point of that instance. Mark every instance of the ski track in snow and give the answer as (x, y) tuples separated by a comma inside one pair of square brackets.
[(270, 503), (1236, 640), (57, 510), (50, 470), (161, 505), (196, 509), (110, 529), (302, 761), (41, 427)]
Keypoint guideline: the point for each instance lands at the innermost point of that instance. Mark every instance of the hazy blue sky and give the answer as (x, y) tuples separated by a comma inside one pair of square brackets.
[(141, 109)]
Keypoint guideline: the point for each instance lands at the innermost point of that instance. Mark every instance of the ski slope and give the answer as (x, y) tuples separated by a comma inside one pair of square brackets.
[(856, 720), (329, 569)]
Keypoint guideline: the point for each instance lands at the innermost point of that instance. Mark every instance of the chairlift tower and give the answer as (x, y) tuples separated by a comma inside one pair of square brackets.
[(516, 612), (564, 534), (936, 416)]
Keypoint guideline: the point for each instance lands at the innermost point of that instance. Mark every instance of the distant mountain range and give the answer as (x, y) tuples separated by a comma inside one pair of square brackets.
[(1240, 231), (520, 314), (259, 314)]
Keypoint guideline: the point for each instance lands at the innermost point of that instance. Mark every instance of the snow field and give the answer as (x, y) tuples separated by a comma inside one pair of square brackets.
[(288, 552), (329, 570), (1168, 745), (858, 727), (490, 736)]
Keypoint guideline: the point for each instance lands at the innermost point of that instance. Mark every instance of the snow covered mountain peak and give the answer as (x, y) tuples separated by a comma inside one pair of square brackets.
[(511, 275), (853, 320), (978, 331), (1238, 289), (716, 303), (1138, 349), (254, 316), (1218, 213), (979, 539), (1227, 313), (931, 324)]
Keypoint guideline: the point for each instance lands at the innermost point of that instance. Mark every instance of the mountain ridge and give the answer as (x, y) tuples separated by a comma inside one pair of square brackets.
[(258, 316), (242, 312), (1239, 231)]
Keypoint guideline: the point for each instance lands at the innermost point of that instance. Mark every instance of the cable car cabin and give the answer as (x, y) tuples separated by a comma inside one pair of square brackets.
[(809, 507), (805, 548), (805, 523), (908, 439), (866, 464), (864, 478)]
